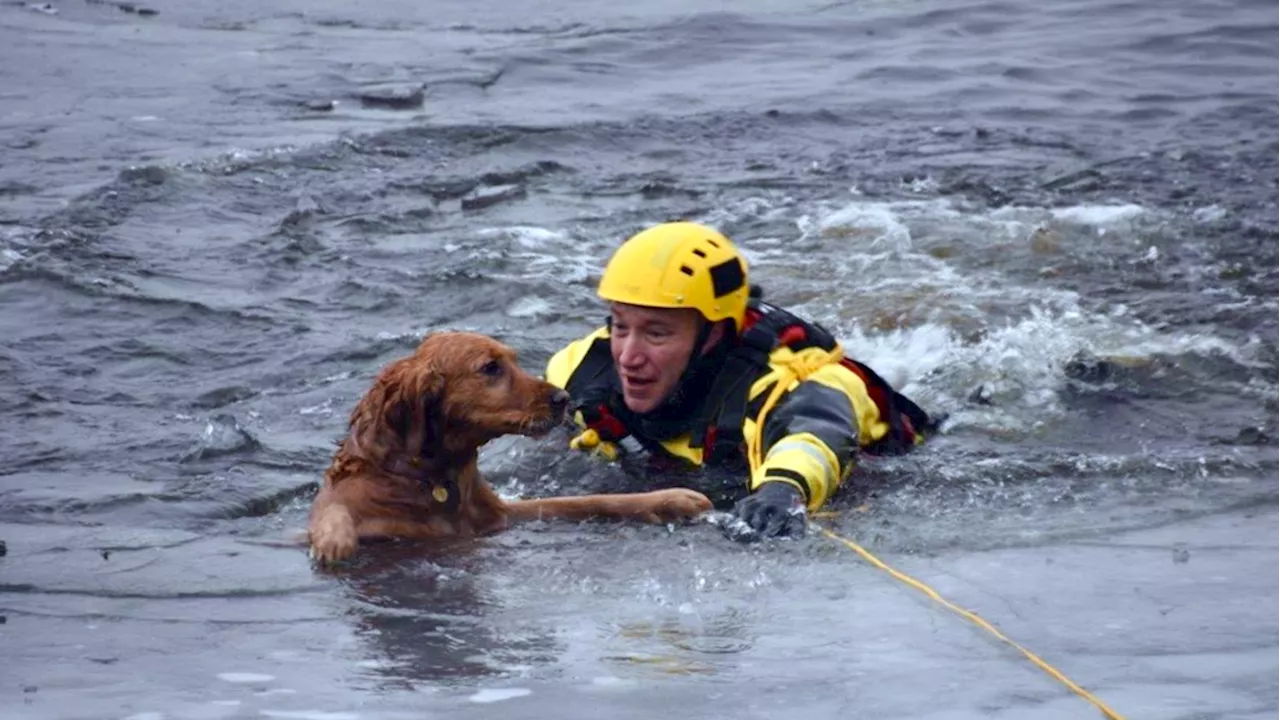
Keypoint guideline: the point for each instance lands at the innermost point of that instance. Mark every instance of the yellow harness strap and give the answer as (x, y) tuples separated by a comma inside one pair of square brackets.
[(801, 365)]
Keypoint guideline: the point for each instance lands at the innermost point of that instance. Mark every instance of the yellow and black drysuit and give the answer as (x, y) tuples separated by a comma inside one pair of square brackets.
[(778, 400)]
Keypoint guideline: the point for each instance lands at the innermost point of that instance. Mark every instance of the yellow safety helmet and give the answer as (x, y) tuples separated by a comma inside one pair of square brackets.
[(679, 265)]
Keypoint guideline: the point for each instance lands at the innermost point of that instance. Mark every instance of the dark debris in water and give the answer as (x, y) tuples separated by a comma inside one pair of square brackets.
[(981, 395), (1083, 180), (655, 189), (438, 189), (977, 189), (1181, 555), (13, 187), (393, 97), (131, 8), (223, 435), (143, 175), (128, 7), (1090, 369), (1250, 436), (221, 397), (482, 198), (524, 173)]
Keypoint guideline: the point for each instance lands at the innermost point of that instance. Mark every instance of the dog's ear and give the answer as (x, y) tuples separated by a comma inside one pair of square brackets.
[(402, 410), (412, 407)]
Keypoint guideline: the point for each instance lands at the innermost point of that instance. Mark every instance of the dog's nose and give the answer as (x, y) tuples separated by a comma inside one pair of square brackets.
[(559, 401)]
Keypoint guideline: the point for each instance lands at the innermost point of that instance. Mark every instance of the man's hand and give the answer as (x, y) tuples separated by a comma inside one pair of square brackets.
[(774, 509)]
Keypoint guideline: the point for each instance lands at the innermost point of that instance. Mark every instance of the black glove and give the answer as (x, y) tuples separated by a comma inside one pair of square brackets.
[(775, 508)]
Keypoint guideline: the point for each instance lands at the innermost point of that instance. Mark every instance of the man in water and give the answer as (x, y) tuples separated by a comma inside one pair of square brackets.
[(697, 369)]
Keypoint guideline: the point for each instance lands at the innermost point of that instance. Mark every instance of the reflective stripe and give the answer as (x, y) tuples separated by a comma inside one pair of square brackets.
[(808, 448)]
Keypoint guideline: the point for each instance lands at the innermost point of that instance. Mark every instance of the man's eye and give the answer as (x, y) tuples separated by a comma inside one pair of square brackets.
[(493, 368)]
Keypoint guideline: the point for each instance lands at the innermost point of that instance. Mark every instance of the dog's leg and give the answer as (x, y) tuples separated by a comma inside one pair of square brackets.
[(332, 531), (659, 506)]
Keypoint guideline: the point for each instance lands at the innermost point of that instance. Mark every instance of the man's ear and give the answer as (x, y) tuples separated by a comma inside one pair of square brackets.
[(718, 331)]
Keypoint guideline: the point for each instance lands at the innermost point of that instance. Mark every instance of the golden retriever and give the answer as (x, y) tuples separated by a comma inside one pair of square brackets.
[(407, 469)]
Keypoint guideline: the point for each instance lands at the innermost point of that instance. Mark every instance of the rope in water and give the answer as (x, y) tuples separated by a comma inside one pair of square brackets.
[(798, 367), (975, 619)]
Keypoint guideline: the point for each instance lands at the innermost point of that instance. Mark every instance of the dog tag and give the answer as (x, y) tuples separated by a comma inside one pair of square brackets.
[(440, 494)]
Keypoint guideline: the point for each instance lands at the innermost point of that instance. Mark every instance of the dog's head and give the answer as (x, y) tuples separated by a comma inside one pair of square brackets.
[(456, 392)]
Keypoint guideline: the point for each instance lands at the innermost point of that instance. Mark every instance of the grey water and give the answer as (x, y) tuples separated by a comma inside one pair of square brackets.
[(1056, 222)]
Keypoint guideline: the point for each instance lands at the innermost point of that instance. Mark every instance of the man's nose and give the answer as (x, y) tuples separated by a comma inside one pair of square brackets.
[(630, 352)]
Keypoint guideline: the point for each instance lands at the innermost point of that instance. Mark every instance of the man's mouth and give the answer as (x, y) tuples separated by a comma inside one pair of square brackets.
[(638, 384)]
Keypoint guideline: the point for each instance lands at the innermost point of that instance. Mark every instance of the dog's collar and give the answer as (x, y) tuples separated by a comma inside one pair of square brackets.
[(442, 490)]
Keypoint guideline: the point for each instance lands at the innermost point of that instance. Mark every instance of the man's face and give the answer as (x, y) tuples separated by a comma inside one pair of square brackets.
[(651, 347)]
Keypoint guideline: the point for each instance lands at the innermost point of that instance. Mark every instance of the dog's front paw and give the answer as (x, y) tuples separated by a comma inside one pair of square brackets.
[(676, 504), (333, 536)]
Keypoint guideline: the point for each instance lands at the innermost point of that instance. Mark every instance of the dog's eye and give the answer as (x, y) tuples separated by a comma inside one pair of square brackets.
[(493, 368)]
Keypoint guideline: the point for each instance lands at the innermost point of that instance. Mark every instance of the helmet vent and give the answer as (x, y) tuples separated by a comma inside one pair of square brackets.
[(713, 243), (699, 253), (686, 270), (727, 277)]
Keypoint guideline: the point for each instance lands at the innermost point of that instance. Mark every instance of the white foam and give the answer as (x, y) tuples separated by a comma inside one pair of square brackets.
[(245, 677), (774, 206), (491, 695), (1209, 214), (1018, 365), (378, 664), (529, 306), (1097, 215), (530, 237), (146, 716), (338, 377), (324, 408), (958, 326), (8, 258), (867, 226)]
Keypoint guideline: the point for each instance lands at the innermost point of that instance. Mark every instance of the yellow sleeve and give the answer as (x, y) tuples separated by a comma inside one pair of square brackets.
[(560, 371), (812, 435), (562, 365)]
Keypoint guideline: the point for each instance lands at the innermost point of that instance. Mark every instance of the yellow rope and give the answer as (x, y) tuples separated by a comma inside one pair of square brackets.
[(973, 617), (799, 366)]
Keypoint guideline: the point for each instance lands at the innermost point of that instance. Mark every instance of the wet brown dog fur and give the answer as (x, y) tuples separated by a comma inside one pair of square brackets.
[(408, 469)]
